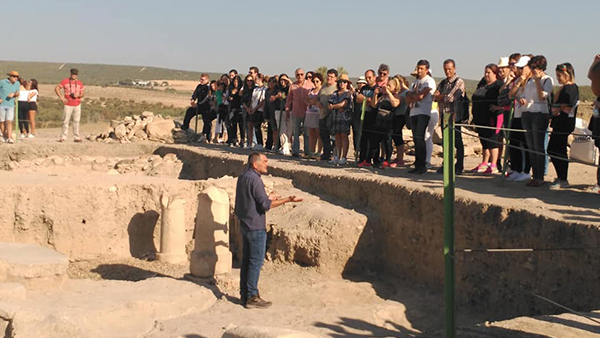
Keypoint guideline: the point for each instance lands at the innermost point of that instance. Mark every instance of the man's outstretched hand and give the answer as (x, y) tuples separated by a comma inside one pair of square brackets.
[(294, 199)]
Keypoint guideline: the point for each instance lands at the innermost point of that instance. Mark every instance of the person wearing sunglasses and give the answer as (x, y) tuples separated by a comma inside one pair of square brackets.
[(340, 105), (72, 93), (564, 112), (9, 90), (296, 105)]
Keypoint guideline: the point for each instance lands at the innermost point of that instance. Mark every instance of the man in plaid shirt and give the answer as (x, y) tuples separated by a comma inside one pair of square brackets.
[(448, 95)]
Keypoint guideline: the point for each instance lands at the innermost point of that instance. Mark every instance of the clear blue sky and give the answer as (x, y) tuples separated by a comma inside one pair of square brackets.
[(279, 36)]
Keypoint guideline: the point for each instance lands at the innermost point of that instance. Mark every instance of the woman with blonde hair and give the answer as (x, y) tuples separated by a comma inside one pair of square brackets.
[(385, 102), (399, 121), (564, 112)]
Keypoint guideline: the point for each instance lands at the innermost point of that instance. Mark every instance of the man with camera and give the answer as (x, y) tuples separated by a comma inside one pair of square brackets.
[(73, 92)]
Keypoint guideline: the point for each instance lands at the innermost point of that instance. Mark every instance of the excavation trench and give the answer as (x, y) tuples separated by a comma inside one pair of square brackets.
[(355, 225)]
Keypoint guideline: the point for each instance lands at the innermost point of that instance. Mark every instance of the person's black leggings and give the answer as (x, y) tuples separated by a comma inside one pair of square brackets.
[(519, 159), (418, 125), (24, 117), (557, 147), (235, 122), (536, 124), (384, 137)]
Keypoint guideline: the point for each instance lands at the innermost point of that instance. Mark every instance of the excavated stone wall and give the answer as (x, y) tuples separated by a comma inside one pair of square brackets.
[(407, 241)]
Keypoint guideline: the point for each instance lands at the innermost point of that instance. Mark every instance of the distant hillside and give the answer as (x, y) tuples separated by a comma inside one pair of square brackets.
[(95, 74)]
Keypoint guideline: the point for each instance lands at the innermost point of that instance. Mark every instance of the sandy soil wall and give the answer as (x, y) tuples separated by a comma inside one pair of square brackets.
[(407, 241)]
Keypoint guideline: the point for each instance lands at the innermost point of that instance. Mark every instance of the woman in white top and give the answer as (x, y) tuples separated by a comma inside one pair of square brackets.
[(33, 96), (536, 116), (24, 108)]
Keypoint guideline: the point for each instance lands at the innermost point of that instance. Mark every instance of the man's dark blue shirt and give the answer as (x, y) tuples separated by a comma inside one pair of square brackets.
[(251, 200)]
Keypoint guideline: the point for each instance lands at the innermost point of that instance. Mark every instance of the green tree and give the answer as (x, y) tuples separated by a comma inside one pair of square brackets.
[(341, 70), (322, 70)]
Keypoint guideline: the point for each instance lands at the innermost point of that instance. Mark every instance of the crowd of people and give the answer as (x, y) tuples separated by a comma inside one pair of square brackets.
[(515, 102), (20, 94)]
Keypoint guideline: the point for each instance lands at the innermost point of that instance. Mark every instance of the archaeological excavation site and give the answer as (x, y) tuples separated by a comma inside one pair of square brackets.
[(139, 240)]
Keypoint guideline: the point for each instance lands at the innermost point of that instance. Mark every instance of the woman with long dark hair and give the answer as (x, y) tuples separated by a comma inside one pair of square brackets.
[(340, 105), (235, 116), (33, 108), (485, 118), (564, 112)]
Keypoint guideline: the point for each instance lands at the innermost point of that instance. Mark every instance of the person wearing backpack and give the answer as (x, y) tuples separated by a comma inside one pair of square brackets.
[(452, 99)]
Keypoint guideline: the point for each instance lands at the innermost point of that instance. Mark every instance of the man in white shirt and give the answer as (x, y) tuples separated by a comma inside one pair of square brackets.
[(420, 100)]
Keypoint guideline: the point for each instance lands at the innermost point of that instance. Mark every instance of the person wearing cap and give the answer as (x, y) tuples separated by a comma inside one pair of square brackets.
[(448, 95), (502, 109), (9, 90), (72, 93), (296, 105), (536, 116), (519, 161), (340, 105), (420, 97)]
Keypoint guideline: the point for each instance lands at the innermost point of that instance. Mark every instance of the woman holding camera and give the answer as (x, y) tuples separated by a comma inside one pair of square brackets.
[(385, 102), (564, 112)]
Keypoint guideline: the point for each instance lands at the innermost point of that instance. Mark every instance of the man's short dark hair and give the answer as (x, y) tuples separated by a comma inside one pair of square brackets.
[(423, 63), (332, 71), (383, 67), (253, 158), (372, 71), (447, 61), (234, 71), (74, 71), (515, 56), (254, 68)]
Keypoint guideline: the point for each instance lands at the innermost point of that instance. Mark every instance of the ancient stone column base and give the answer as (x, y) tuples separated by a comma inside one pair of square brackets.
[(207, 264), (172, 258)]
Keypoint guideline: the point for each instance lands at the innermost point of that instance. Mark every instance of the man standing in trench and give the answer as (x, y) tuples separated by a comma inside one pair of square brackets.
[(251, 204)]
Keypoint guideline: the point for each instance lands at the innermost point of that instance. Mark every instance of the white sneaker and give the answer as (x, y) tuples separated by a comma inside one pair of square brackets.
[(335, 160), (512, 176), (23, 136), (31, 136), (596, 189), (522, 177), (343, 160), (10, 140)]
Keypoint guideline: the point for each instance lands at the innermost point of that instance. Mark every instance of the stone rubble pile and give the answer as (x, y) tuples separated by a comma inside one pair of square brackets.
[(150, 165), (145, 126)]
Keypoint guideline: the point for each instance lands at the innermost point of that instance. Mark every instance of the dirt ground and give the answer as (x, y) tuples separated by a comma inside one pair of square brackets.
[(308, 300)]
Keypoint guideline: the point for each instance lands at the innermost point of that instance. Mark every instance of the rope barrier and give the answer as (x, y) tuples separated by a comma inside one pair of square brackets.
[(523, 130), (523, 290), (469, 250), (527, 150)]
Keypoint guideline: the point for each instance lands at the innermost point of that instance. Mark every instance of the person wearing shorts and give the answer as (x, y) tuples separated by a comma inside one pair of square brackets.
[(9, 90)]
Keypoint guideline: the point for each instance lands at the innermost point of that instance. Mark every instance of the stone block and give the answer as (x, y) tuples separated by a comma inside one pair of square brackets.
[(265, 332), (211, 255), (34, 266), (12, 291)]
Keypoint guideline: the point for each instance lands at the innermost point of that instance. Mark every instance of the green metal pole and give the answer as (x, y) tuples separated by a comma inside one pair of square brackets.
[(16, 129), (507, 137), (362, 119), (448, 135)]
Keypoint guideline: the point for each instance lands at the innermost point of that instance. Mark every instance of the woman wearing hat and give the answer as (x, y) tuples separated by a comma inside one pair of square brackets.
[(340, 105)]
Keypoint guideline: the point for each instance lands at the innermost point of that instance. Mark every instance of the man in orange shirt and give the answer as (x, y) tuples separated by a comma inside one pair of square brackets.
[(73, 92)]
